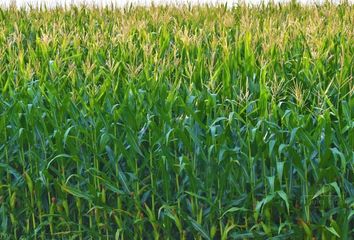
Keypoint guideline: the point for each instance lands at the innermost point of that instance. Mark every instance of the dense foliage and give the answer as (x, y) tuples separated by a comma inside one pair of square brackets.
[(177, 122)]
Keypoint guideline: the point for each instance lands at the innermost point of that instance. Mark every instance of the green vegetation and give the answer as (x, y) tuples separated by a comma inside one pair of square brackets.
[(177, 122)]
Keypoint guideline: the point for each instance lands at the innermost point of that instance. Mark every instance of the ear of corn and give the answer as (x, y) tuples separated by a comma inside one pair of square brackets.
[(177, 122)]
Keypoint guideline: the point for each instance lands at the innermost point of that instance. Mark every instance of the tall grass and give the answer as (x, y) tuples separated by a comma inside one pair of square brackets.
[(177, 122)]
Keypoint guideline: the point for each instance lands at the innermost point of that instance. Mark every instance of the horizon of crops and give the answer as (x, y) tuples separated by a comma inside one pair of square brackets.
[(177, 122)]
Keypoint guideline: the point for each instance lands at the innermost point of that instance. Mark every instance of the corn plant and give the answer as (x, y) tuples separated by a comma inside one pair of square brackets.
[(177, 122)]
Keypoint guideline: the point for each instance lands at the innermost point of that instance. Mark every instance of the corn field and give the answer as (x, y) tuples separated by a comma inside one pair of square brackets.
[(185, 122)]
